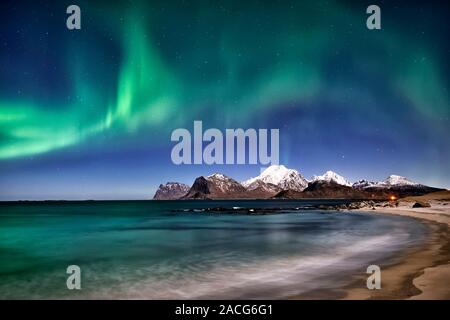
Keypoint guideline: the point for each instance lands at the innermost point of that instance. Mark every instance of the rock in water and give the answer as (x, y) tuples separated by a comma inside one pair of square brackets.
[(421, 204)]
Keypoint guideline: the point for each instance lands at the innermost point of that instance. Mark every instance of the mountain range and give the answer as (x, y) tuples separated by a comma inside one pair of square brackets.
[(279, 182)]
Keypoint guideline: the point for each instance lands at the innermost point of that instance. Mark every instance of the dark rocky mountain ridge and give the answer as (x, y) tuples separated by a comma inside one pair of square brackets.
[(219, 186)]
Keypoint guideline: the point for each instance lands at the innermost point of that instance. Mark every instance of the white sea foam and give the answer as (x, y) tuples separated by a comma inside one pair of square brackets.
[(270, 278)]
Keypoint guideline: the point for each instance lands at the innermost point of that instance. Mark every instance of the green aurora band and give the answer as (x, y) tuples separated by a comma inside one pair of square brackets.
[(223, 62)]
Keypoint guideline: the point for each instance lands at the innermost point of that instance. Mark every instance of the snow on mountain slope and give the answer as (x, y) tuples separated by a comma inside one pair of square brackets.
[(362, 184), (331, 176), (279, 175), (394, 180), (391, 181), (224, 184)]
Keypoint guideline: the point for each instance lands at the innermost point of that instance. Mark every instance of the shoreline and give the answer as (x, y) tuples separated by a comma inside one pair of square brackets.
[(422, 272)]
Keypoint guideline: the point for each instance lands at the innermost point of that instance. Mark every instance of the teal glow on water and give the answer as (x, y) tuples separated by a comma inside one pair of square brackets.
[(143, 249)]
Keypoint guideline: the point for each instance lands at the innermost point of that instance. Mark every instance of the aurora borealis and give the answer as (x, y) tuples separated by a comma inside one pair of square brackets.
[(88, 113)]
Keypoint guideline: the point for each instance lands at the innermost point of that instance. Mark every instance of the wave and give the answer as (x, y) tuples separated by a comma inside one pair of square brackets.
[(265, 279)]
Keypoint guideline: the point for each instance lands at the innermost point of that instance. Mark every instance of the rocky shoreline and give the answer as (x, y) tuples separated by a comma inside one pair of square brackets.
[(354, 205)]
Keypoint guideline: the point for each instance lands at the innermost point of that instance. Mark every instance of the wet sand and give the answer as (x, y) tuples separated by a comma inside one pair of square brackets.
[(423, 272)]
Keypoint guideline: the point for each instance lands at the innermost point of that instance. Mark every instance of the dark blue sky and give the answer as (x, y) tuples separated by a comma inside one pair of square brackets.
[(88, 114)]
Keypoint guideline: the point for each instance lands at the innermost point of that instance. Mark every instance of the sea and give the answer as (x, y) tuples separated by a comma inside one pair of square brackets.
[(183, 250)]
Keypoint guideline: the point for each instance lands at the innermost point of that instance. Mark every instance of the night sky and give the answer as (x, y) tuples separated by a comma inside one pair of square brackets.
[(88, 114)]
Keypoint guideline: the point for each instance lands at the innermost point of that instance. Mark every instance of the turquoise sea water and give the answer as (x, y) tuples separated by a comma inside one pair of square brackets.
[(160, 250)]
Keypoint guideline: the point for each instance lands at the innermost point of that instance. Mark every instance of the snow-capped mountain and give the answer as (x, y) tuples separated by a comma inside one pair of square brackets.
[(171, 191), (279, 182), (394, 180), (390, 182), (331, 176), (280, 176), (394, 185)]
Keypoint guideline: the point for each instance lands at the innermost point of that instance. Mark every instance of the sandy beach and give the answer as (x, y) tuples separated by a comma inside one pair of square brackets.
[(423, 272)]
